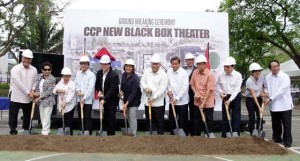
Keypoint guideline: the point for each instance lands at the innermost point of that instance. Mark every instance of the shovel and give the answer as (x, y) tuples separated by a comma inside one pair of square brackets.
[(177, 131), (64, 130), (204, 121), (150, 117), (101, 132), (228, 135), (82, 132), (126, 131), (29, 131), (261, 133)]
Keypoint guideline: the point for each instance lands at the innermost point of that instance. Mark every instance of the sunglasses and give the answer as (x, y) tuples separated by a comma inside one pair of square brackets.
[(227, 66), (46, 69)]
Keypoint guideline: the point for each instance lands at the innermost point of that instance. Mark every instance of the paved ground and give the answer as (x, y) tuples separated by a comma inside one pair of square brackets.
[(294, 155)]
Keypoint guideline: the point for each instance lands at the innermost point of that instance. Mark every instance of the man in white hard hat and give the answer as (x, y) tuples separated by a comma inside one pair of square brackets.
[(85, 85), (131, 92), (65, 88), (229, 87), (178, 86), (22, 85), (254, 93), (277, 85), (190, 67), (154, 83), (203, 85), (107, 86)]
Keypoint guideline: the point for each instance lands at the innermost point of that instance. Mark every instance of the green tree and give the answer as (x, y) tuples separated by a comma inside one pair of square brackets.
[(261, 30), (29, 25)]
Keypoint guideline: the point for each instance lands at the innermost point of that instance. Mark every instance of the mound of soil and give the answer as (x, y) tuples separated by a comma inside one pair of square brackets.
[(163, 145)]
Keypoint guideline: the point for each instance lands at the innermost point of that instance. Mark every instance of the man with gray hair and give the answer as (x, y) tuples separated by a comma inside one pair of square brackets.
[(22, 85)]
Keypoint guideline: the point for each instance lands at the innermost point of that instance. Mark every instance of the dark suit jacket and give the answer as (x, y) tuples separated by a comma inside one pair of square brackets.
[(111, 87), (191, 93)]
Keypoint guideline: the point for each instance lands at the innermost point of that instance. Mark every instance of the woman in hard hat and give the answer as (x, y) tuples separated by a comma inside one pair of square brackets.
[(66, 91), (44, 87), (131, 91), (85, 85), (254, 91)]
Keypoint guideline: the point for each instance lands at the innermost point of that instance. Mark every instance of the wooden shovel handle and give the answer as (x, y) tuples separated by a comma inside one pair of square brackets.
[(149, 110), (124, 109), (32, 110), (173, 109), (227, 112), (202, 114)]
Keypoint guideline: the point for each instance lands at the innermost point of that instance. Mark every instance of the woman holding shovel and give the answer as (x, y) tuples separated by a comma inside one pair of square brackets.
[(44, 87), (66, 91), (131, 92), (254, 95)]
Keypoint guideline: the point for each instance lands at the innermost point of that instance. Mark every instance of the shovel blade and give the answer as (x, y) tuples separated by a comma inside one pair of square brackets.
[(147, 133), (101, 133), (262, 134), (179, 132), (28, 132), (228, 135), (235, 135), (255, 132), (61, 131), (212, 135), (127, 132)]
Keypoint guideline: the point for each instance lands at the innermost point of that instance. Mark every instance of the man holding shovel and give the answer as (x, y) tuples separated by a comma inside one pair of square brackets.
[(155, 81), (203, 85), (178, 85), (107, 82), (22, 85), (229, 86), (85, 84), (277, 85)]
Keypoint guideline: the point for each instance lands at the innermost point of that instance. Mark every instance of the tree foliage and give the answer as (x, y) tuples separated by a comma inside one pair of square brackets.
[(30, 25), (261, 30)]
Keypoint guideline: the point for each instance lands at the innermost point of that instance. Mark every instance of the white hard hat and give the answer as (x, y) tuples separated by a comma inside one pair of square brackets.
[(84, 59), (229, 61), (255, 66), (201, 59), (155, 58), (27, 53), (105, 59), (129, 62), (189, 56), (66, 71)]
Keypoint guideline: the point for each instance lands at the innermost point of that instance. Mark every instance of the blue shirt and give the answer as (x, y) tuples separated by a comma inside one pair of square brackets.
[(85, 82)]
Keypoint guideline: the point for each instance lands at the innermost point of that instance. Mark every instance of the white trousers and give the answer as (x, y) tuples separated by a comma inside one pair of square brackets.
[(45, 115)]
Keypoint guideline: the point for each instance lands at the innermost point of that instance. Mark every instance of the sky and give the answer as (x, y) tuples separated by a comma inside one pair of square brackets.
[(158, 5)]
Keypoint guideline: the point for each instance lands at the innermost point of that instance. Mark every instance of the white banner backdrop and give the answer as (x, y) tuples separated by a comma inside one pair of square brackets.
[(139, 34)]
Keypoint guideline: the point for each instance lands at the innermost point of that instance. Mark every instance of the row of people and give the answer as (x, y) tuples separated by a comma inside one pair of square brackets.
[(190, 88)]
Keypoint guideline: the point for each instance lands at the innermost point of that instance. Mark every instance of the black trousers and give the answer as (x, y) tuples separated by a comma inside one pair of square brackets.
[(279, 120), (191, 113), (181, 116), (198, 122), (87, 117), (157, 118), (252, 111), (235, 111), (68, 117), (13, 116), (109, 119)]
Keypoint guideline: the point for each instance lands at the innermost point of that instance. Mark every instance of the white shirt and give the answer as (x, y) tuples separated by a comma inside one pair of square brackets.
[(230, 84), (85, 82), (41, 85), (254, 84), (23, 80), (178, 82), (158, 83), (278, 87), (69, 96)]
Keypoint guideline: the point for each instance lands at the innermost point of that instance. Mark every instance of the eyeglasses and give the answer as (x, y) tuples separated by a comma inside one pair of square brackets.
[(226, 66), (46, 69)]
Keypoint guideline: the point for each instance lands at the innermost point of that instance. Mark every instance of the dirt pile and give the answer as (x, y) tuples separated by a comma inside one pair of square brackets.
[(164, 145)]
